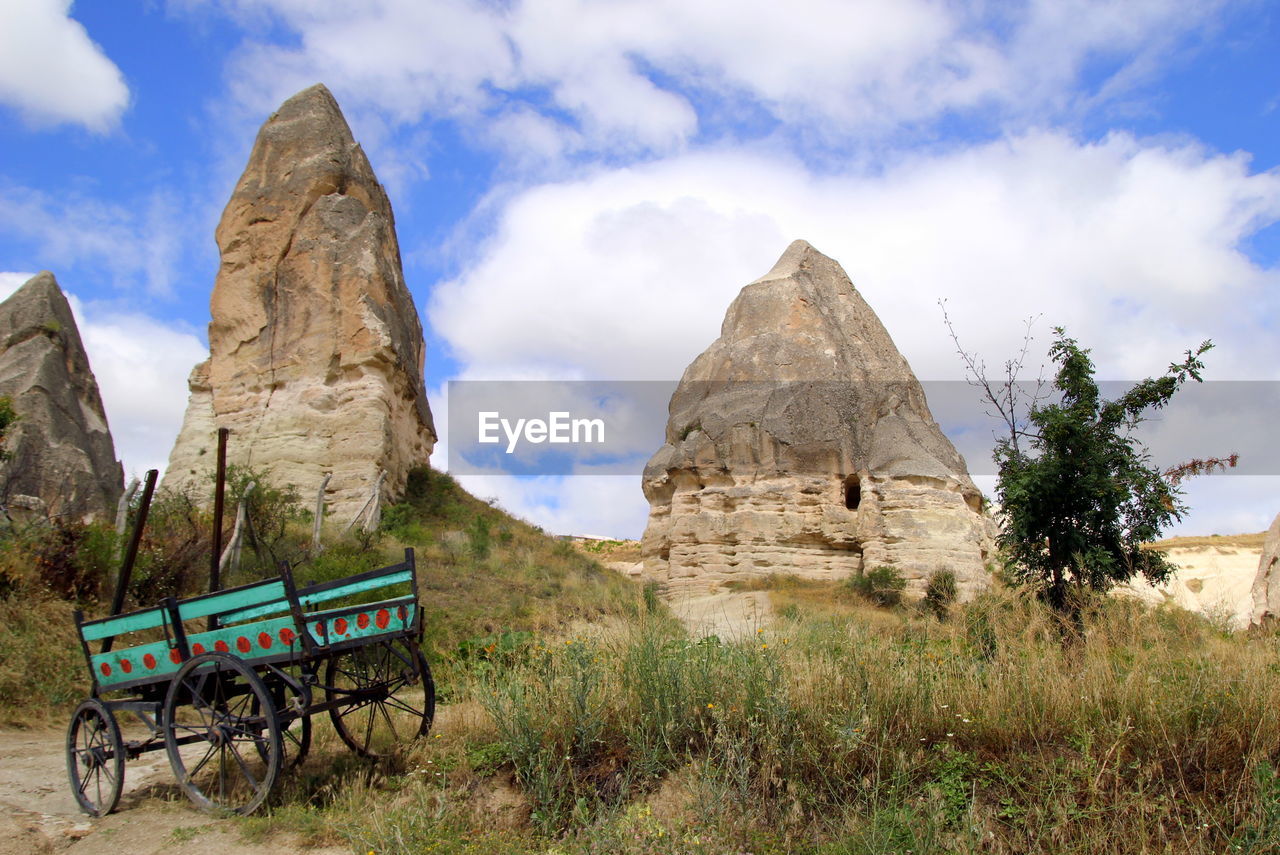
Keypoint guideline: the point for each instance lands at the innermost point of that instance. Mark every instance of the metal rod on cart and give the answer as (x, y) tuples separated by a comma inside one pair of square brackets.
[(219, 496), (131, 554)]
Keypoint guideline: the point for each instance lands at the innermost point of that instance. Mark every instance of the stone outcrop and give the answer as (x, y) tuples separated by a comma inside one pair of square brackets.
[(61, 459), (316, 350), (1266, 584), (1214, 578), (800, 442)]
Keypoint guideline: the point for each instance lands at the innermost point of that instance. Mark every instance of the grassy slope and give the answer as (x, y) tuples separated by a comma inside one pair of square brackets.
[(482, 573)]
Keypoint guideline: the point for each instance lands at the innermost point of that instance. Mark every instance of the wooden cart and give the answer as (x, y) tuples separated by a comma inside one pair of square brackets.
[(232, 704)]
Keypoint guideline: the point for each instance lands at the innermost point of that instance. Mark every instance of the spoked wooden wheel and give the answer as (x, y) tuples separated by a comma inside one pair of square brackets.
[(386, 696), (95, 758), (222, 734), (295, 725)]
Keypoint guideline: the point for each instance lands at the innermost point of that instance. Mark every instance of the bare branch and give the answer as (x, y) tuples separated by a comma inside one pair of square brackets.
[(1011, 402), (1175, 475)]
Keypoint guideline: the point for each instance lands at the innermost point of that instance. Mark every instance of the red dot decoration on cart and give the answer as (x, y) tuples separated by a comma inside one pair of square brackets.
[(383, 618), (264, 640), (221, 646), (340, 626), (126, 666), (362, 621), (197, 648), (243, 644), (286, 636), (175, 656), (149, 661), (106, 669)]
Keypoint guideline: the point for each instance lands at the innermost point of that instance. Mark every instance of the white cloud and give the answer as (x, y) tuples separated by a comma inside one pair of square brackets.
[(601, 505), (626, 273), (10, 282), (141, 364), (638, 75), (52, 72), (135, 244)]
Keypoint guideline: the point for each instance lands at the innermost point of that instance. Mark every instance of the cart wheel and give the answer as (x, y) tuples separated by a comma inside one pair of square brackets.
[(222, 734), (295, 725), (386, 696), (95, 758)]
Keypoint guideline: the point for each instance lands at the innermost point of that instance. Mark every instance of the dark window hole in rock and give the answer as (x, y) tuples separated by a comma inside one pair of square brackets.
[(852, 492)]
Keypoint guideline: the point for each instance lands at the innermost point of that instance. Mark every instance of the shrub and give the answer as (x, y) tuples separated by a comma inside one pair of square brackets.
[(67, 558), (478, 538), (882, 585), (940, 593)]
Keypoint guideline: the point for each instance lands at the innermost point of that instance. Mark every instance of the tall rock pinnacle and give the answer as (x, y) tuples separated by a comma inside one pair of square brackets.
[(800, 442), (61, 459), (316, 350)]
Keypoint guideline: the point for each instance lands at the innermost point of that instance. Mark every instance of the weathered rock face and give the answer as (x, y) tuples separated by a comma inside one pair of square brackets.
[(1266, 585), (61, 457), (800, 442), (316, 350)]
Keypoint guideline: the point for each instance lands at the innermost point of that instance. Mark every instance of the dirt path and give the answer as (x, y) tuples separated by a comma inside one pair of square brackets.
[(39, 815), (731, 615)]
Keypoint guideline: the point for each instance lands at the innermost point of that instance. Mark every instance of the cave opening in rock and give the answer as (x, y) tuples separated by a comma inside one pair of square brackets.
[(852, 492)]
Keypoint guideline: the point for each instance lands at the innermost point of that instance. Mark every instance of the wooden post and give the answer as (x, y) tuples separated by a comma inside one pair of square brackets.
[(315, 531), (219, 497), (122, 515), (231, 555), (131, 554)]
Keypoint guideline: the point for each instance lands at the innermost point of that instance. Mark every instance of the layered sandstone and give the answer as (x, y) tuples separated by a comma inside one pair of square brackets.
[(60, 458), (316, 350), (800, 442), (1266, 582), (1213, 577)]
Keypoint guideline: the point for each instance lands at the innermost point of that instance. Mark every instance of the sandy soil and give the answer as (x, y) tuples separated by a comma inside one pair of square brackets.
[(731, 615), (39, 815)]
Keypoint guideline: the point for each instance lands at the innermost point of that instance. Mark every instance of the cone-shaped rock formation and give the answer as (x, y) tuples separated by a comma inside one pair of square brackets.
[(61, 459), (316, 350), (800, 442)]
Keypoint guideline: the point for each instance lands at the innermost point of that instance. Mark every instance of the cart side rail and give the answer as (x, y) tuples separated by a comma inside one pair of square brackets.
[(262, 622), (103, 628), (153, 661), (352, 614)]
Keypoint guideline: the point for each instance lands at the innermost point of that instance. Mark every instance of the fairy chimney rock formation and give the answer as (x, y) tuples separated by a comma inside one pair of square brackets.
[(1266, 585), (60, 456), (315, 347), (800, 442)]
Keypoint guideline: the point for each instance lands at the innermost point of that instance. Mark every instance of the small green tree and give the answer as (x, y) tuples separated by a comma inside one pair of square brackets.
[(1080, 496)]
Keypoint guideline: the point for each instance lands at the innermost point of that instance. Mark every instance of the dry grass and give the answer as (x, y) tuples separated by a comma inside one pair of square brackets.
[(609, 550), (825, 734), (1237, 541), (42, 668)]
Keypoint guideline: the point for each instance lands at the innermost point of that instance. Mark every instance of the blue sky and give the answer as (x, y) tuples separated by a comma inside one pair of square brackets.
[(581, 188)]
